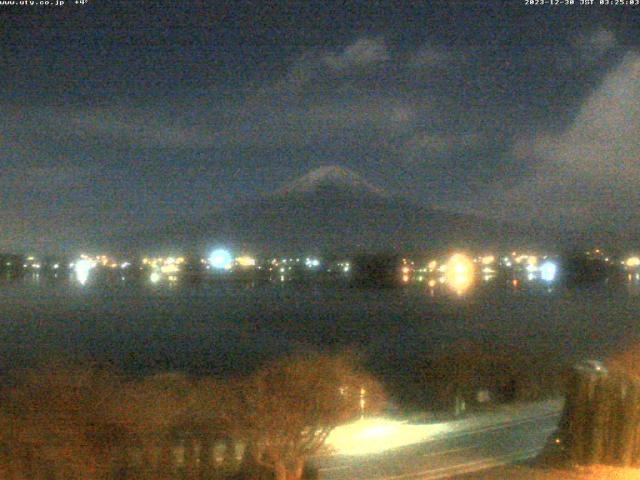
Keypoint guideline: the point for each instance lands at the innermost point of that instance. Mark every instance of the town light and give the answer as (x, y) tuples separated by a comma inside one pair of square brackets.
[(170, 268), (632, 262), (548, 271), (488, 260), (83, 268), (459, 272), (246, 261), (312, 262), (221, 259)]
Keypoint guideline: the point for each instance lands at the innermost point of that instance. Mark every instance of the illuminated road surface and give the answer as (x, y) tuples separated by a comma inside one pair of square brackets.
[(387, 450)]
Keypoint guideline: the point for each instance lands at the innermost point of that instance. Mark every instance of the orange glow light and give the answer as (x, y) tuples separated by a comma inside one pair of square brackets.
[(460, 273)]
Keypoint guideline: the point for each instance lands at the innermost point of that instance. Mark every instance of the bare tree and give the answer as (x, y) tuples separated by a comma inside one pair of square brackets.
[(205, 425), (87, 424), (154, 409), (59, 424), (286, 410)]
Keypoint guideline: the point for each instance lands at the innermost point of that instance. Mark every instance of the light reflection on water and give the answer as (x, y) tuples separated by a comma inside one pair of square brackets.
[(460, 273), (226, 326)]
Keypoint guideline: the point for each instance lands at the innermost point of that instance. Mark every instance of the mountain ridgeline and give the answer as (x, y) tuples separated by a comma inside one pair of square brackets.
[(335, 210)]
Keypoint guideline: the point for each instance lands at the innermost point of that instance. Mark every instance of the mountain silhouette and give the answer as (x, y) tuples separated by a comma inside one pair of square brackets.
[(335, 210)]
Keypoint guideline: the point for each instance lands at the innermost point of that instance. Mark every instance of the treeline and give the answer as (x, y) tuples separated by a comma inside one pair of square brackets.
[(78, 423), (62, 422)]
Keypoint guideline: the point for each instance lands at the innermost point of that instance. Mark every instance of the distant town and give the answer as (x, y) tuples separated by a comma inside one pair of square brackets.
[(456, 272)]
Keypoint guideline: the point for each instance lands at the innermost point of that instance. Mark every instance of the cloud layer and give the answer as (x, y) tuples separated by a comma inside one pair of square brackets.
[(524, 132), (587, 175)]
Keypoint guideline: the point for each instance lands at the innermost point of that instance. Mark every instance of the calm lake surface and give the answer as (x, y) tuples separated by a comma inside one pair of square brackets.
[(226, 328)]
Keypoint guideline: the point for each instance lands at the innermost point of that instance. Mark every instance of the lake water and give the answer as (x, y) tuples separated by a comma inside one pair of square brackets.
[(225, 328)]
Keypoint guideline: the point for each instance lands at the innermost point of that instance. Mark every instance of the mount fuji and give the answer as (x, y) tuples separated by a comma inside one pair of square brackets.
[(330, 179), (335, 210)]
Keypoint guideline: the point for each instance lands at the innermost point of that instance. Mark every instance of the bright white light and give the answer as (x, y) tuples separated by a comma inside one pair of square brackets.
[(312, 262), (154, 277), (374, 435), (548, 271), (221, 259), (83, 269)]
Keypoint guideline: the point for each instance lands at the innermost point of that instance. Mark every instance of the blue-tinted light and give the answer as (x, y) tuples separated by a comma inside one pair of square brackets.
[(548, 271), (221, 259)]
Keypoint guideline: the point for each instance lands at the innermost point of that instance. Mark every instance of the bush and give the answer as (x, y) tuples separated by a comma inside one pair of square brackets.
[(80, 423), (465, 368)]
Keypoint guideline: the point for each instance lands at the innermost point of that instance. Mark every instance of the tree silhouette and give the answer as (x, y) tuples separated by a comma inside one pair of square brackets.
[(60, 425), (286, 410)]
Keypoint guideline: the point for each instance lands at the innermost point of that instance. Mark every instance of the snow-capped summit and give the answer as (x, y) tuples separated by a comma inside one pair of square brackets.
[(332, 177), (334, 209)]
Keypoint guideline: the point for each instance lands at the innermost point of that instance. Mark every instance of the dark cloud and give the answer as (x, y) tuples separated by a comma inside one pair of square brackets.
[(181, 115)]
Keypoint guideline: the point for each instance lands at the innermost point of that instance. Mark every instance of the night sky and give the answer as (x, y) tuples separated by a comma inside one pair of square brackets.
[(117, 117)]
